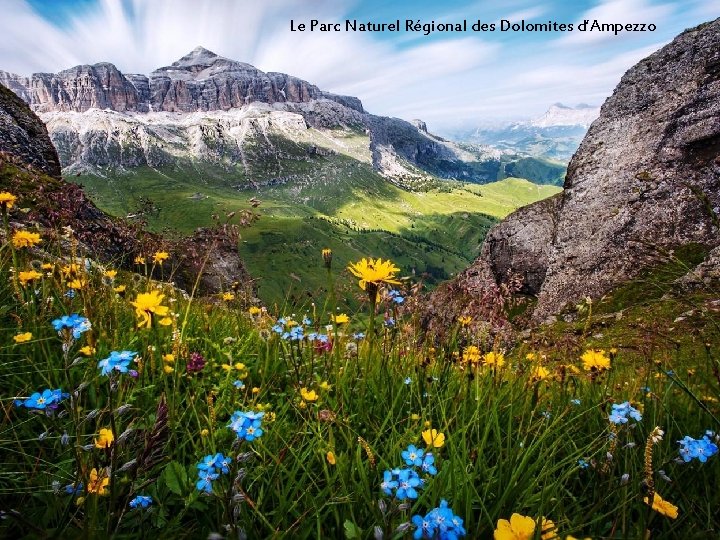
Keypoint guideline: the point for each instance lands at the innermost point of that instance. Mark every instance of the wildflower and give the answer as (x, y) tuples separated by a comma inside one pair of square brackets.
[(204, 432), (325, 386), (595, 360), (440, 522), (428, 464), (169, 357), (23, 337), (27, 277), (389, 322), (98, 482), (7, 200), (662, 506), (700, 449), (196, 363), (247, 425), (575, 401), (494, 359), (74, 489), (342, 318), (407, 380), (47, 399), (139, 259), (254, 310), (540, 373), (74, 323), (295, 334), (205, 482), (327, 257), (471, 354), (330, 456), (165, 321), (147, 305), (464, 320), (110, 274), (357, 336), (160, 256), (375, 272), (621, 412), (141, 501), (408, 480), (228, 296), (433, 438), (22, 239), (87, 350), (395, 296), (523, 528), (308, 395), (413, 456), (239, 384), (117, 361), (119, 289), (105, 438), (583, 464), (388, 483)]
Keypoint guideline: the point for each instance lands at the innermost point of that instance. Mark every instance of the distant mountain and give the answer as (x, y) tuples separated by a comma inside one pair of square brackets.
[(555, 135)]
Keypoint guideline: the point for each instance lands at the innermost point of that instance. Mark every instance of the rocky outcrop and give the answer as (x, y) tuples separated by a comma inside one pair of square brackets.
[(24, 135), (645, 180), (647, 175)]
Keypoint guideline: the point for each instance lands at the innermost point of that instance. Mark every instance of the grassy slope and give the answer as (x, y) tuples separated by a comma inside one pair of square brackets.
[(314, 201)]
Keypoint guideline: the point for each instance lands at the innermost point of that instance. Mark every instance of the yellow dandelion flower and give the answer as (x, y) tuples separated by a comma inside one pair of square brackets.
[(7, 200), (168, 369), (327, 257), (23, 338), (70, 270), (87, 350), (308, 395), (170, 358), (27, 277), (464, 320), (255, 390), (160, 256), (433, 438), (139, 259), (342, 318), (165, 321), (540, 373), (254, 310), (471, 354), (228, 296), (494, 359), (119, 289), (105, 438), (374, 271), (593, 359), (415, 416), (98, 483), (660, 505), (22, 239), (330, 458), (111, 274), (47, 266), (531, 357), (147, 305), (78, 283)]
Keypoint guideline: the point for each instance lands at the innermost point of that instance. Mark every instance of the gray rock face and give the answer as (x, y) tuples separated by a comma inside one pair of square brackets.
[(23, 135), (646, 176), (199, 81)]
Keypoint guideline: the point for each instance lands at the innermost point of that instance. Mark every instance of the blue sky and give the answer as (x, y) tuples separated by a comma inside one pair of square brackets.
[(447, 79)]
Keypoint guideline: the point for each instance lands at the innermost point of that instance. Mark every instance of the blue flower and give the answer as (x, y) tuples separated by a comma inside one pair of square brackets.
[(413, 456), (247, 425), (395, 296), (408, 480), (583, 464), (72, 489), (205, 481), (306, 321), (70, 294), (117, 361), (278, 328), (622, 411), (408, 380), (389, 322), (428, 464), (357, 336), (440, 523), (209, 463), (74, 323), (47, 399), (700, 449), (142, 501), (239, 384), (575, 401), (388, 483), (424, 527)]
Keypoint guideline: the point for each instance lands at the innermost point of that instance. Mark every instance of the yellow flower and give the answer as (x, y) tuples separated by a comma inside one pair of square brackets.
[(330, 458), (70, 270), (111, 273), (23, 239), (414, 416), (98, 482), (660, 505), (471, 354), (22, 338), (342, 318), (308, 395), (139, 259), (523, 528), (30, 275), (160, 257), (494, 359), (168, 358), (595, 360), (254, 310), (540, 373), (7, 200), (375, 271), (147, 304), (47, 266), (204, 432), (227, 296), (168, 369), (465, 320), (105, 438), (531, 357), (165, 321), (325, 385), (87, 350), (433, 438), (327, 257), (78, 283), (119, 289), (255, 390)]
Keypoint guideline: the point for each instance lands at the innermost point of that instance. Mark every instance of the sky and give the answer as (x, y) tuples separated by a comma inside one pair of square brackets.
[(448, 79)]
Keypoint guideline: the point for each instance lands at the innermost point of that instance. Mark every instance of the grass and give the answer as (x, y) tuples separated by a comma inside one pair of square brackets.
[(513, 440)]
